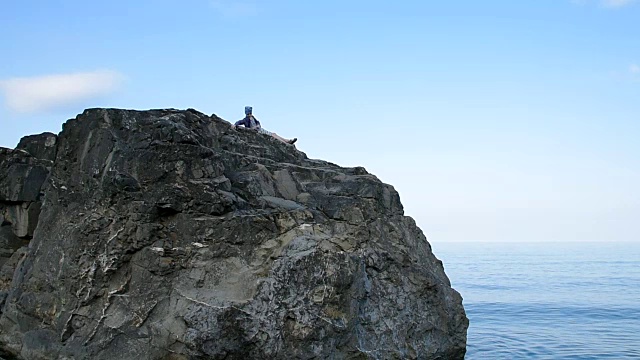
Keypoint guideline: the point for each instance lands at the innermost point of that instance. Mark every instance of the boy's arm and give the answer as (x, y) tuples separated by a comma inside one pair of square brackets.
[(240, 122)]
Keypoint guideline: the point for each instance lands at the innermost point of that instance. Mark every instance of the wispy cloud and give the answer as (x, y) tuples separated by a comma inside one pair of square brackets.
[(634, 69), (234, 8), (612, 4), (42, 93), (616, 3)]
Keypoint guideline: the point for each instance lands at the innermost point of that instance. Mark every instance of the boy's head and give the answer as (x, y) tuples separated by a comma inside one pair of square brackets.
[(248, 110)]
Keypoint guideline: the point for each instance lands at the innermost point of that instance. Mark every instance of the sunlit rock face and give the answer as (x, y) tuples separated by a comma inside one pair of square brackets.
[(167, 234)]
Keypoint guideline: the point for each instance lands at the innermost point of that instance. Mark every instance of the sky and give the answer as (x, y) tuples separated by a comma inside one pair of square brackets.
[(495, 120)]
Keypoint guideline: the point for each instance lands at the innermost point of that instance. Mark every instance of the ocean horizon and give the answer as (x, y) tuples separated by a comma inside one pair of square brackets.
[(567, 300)]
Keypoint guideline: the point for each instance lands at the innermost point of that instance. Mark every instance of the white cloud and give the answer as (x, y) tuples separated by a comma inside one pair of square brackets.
[(605, 3), (233, 8), (616, 3), (42, 93), (634, 69)]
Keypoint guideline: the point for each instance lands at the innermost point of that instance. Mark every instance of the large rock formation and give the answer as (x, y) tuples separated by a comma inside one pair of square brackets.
[(21, 179), (167, 234)]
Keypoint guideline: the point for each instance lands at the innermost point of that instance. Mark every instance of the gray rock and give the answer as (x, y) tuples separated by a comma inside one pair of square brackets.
[(22, 177), (42, 146), (166, 234)]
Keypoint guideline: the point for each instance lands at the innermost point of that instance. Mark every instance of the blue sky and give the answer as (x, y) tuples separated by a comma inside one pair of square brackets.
[(495, 120)]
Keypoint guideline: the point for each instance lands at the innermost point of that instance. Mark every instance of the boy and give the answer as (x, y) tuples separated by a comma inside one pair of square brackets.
[(250, 122)]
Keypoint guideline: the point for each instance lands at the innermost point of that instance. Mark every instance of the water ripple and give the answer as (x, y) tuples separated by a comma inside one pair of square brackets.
[(548, 301)]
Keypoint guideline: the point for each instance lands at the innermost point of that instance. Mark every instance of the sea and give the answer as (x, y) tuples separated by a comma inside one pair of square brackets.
[(547, 300)]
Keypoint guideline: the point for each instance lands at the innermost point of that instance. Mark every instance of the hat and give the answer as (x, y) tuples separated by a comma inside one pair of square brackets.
[(248, 110)]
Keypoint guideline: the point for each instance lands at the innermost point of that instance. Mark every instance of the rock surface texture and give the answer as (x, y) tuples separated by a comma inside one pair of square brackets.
[(167, 234), (22, 177)]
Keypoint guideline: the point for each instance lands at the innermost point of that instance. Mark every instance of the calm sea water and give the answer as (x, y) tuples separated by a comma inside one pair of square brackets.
[(548, 301)]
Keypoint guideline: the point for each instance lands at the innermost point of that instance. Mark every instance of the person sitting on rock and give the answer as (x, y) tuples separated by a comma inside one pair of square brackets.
[(250, 122)]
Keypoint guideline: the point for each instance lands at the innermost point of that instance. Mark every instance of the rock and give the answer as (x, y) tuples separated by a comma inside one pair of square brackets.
[(166, 234), (22, 177), (42, 146)]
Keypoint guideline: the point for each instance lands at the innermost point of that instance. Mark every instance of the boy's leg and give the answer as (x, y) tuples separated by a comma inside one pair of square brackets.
[(283, 139)]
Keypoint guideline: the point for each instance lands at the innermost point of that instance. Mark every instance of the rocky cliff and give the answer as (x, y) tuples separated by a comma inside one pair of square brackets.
[(167, 234)]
